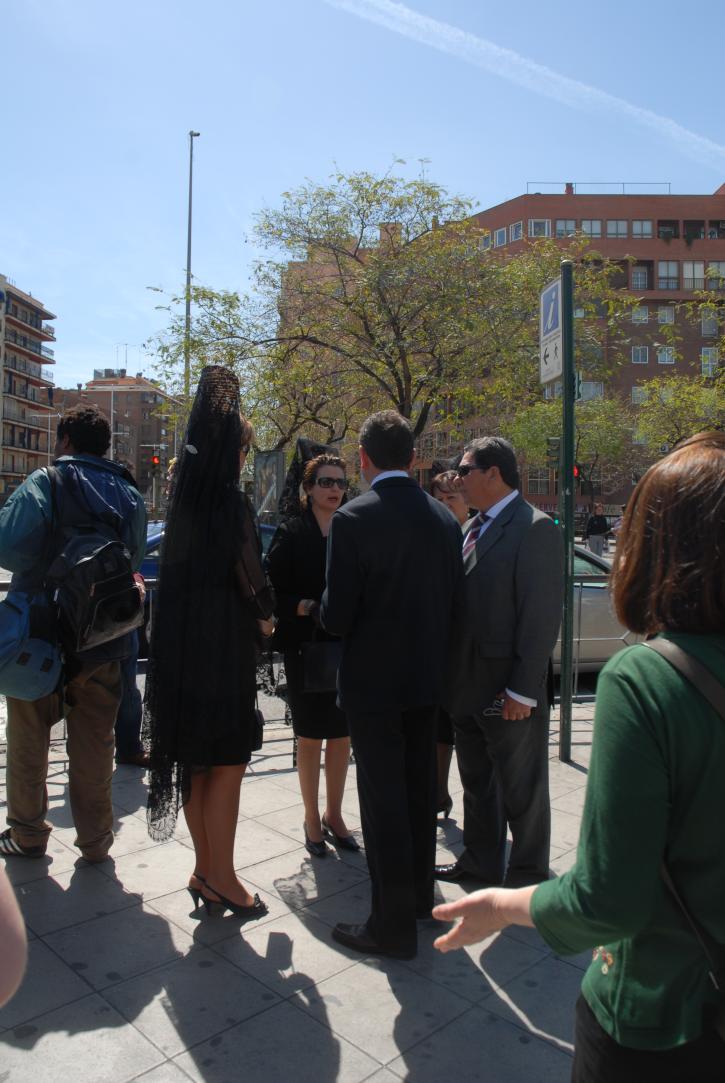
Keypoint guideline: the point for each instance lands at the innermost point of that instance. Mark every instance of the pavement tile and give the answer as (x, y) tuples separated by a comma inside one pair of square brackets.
[(153, 872), (263, 797), (208, 928), (114, 948), (563, 862), (290, 822), (300, 879), (383, 1007), (165, 1073), (189, 1000), (565, 830), (571, 802), (475, 971), (255, 842), (351, 905), (481, 1047), (542, 999), (57, 902), (48, 984), (86, 1040), (280, 1045), (288, 954)]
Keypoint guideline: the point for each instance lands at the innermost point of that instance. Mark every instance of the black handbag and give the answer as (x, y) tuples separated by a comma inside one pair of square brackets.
[(320, 662)]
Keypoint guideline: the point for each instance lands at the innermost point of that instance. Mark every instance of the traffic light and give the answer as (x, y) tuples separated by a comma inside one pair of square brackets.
[(553, 448), (155, 460), (577, 471)]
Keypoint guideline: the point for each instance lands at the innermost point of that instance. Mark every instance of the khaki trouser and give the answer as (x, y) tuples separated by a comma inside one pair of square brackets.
[(91, 703)]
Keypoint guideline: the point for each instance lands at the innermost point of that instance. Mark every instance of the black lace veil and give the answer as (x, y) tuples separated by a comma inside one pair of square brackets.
[(201, 676)]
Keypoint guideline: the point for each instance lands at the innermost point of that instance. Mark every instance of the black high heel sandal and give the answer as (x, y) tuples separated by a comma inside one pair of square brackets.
[(317, 849), (343, 842), (445, 807), (195, 892), (257, 910)]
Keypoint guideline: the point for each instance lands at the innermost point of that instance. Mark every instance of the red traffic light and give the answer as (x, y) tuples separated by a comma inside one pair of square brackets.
[(576, 470), (155, 460)]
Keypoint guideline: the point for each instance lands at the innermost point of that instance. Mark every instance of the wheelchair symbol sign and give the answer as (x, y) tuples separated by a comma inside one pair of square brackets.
[(550, 344)]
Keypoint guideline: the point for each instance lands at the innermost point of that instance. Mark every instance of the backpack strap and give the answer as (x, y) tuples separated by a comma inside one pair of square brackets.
[(710, 687)]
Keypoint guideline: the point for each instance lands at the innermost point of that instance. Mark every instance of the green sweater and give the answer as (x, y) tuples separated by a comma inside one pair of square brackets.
[(656, 786)]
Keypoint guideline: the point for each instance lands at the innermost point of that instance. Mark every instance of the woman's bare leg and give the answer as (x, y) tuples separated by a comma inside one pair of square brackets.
[(337, 758), (221, 811), (309, 750), (194, 816)]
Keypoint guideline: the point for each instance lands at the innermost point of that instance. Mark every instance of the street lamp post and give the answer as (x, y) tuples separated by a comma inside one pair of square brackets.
[(187, 326)]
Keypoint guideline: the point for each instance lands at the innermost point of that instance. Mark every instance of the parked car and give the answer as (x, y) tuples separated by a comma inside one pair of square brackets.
[(597, 632)]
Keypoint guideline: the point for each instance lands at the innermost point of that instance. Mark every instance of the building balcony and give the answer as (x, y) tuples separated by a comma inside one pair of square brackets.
[(693, 283), (49, 330), (47, 352), (13, 445), (12, 412), (22, 342), (668, 283), (28, 368), (47, 375)]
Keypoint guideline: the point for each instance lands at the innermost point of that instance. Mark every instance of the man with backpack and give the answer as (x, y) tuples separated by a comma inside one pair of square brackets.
[(48, 530)]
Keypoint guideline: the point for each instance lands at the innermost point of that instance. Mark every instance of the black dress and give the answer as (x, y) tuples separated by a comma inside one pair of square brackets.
[(296, 568)]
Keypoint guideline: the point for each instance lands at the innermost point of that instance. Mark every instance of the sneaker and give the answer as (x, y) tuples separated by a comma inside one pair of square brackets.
[(10, 848)]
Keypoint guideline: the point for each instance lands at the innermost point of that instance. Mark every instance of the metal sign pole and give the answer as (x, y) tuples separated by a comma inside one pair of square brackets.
[(566, 487)]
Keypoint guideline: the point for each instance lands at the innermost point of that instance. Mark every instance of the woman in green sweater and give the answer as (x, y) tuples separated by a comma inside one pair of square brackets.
[(655, 792)]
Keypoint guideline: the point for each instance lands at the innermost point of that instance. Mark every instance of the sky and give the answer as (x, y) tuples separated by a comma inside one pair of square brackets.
[(99, 100)]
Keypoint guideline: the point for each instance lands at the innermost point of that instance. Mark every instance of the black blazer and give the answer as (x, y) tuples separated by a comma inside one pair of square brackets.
[(394, 588), (296, 570)]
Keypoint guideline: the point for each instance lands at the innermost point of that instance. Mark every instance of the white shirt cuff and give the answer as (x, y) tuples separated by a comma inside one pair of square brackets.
[(521, 699)]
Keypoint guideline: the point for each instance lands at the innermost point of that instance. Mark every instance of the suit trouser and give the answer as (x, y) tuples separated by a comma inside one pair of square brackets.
[(396, 778), (504, 767), (92, 697)]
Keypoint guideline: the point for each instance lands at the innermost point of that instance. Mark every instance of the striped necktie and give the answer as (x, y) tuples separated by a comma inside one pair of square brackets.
[(477, 524)]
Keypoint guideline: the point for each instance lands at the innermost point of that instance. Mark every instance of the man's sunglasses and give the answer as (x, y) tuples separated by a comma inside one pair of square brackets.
[(328, 483), (463, 471)]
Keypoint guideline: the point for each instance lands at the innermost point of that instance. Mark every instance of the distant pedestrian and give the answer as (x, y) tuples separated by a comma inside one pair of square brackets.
[(393, 579), (655, 802), (213, 601), (596, 530)]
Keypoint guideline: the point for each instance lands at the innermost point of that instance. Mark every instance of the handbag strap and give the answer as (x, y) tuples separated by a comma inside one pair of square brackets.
[(714, 692)]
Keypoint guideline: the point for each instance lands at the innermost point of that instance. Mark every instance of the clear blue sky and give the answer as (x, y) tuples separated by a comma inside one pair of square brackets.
[(99, 99)]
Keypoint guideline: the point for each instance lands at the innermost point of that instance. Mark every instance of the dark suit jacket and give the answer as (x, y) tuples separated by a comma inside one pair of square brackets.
[(394, 588), (514, 591), (296, 569)]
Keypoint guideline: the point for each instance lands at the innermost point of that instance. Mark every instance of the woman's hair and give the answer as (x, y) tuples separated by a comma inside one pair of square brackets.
[(669, 568), (445, 482), (309, 474)]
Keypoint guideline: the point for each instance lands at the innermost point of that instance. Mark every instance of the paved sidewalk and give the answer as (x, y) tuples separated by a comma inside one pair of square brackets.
[(126, 982)]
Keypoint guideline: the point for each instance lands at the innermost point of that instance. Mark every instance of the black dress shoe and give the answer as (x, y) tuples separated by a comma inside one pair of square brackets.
[(317, 849), (456, 874), (359, 939)]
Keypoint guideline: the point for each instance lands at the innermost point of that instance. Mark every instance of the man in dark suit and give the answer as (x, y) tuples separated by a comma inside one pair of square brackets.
[(513, 561), (394, 577)]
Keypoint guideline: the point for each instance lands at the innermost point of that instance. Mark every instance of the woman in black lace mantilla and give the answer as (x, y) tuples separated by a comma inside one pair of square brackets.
[(213, 602)]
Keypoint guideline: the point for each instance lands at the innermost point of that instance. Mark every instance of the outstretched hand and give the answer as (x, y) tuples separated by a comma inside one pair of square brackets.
[(483, 913)]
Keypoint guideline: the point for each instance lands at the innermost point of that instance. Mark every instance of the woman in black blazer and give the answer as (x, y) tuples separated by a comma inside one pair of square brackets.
[(296, 568)]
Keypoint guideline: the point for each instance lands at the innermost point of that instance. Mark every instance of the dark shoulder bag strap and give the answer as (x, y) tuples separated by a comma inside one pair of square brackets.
[(714, 692)]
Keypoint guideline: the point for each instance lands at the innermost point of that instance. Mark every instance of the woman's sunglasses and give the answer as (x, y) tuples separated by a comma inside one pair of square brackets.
[(328, 483)]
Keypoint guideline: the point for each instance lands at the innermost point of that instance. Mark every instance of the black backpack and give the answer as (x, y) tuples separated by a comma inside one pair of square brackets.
[(91, 577)]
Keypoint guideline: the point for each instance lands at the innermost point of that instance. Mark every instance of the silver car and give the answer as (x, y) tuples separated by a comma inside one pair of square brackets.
[(597, 632)]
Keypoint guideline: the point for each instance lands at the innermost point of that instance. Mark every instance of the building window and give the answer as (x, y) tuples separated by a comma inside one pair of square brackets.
[(616, 227), (668, 274), (499, 237), (592, 389), (553, 389), (538, 481), (640, 314), (539, 227), (716, 275), (640, 355), (516, 231), (639, 395), (642, 227), (666, 314), (486, 242), (566, 227), (709, 326), (640, 278), (592, 227), (709, 359), (665, 355), (693, 274)]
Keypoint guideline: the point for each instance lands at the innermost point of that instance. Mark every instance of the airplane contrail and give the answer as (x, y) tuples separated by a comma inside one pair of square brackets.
[(527, 73)]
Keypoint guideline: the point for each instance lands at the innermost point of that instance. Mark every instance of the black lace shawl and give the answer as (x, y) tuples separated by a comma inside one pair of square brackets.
[(201, 677)]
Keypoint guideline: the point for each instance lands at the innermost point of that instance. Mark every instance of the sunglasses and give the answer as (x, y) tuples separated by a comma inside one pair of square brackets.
[(328, 483), (463, 471)]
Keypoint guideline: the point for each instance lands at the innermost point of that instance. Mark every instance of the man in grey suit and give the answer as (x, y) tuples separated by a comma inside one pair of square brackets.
[(513, 561)]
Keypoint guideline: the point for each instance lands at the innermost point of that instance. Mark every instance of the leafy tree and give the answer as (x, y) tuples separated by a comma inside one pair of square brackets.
[(676, 407)]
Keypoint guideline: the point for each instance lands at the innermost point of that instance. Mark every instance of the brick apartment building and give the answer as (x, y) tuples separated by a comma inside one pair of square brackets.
[(141, 432), (26, 385), (668, 247)]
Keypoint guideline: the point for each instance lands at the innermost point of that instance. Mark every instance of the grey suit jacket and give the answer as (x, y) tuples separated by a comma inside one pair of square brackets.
[(514, 590)]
